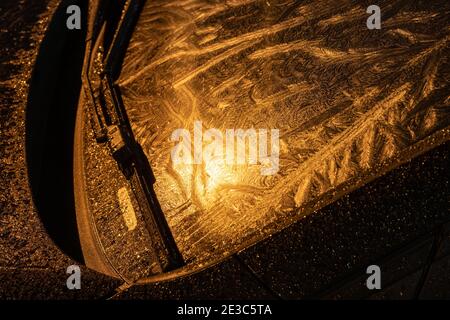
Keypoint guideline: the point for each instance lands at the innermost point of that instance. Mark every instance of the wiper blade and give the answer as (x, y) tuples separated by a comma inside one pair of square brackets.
[(111, 127)]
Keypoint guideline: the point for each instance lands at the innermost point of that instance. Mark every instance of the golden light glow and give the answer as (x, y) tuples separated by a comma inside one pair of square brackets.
[(204, 181)]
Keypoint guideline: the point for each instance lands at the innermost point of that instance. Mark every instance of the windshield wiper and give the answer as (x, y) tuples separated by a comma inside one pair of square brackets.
[(112, 127)]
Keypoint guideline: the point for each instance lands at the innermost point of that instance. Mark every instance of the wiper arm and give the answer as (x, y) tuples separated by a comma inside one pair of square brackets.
[(112, 127)]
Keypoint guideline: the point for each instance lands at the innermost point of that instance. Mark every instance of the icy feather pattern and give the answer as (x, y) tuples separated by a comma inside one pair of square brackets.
[(349, 103)]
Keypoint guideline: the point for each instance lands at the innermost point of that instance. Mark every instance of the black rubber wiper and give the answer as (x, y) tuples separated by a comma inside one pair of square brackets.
[(112, 127)]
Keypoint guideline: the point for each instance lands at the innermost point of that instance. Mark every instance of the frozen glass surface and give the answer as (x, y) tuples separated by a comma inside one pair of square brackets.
[(348, 102)]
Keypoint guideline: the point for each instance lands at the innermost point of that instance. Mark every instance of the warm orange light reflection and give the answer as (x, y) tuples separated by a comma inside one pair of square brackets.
[(204, 181)]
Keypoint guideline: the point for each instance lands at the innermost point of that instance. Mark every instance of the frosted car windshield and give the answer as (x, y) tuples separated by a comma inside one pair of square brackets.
[(348, 103)]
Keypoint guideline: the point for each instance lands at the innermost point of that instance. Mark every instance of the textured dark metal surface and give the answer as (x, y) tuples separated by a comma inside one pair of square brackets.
[(229, 280), (18, 215), (31, 265)]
